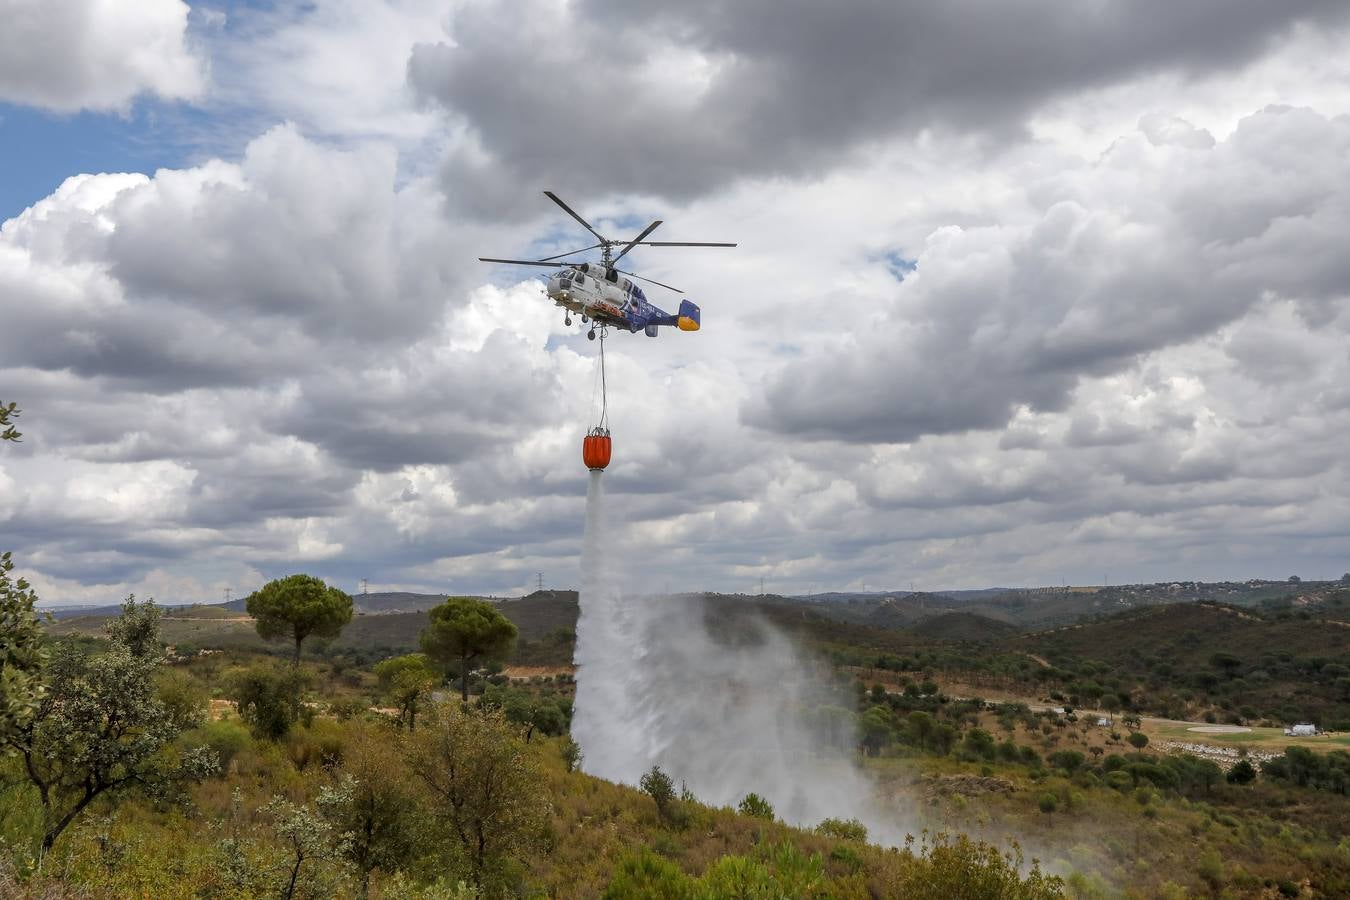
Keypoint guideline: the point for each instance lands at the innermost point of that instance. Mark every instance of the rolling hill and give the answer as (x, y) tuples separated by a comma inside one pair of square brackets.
[(1190, 659), (963, 626)]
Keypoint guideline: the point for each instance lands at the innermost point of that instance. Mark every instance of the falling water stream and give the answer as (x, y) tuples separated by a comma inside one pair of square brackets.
[(723, 703)]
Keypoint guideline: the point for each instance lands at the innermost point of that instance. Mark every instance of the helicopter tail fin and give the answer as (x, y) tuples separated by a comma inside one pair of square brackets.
[(688, 319)]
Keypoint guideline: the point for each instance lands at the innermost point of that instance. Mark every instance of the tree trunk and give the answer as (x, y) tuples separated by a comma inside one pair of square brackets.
[(464, 678), (54, 832), (296, 661)]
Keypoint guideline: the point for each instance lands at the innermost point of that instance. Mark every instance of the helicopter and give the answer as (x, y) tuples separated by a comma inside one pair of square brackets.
[(603, 295)]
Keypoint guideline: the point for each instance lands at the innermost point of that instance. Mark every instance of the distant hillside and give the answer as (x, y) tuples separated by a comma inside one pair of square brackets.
[(544, 616), (202, 611), (963, 626), (542, 613), (1034, 609), (1177, 631), (395, 601), (903, 612), (1189, 657)]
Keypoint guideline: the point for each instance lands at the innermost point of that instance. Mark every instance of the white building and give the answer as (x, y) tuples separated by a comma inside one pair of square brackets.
[(1303, 729)]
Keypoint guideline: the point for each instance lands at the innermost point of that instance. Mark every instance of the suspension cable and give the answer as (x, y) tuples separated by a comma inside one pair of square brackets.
[(604, 398)]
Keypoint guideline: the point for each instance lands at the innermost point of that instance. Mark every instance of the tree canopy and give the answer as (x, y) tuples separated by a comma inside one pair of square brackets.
[(297, 607), (407, 679), (485, 788), (100, 727), (22, 655), (464, 630)]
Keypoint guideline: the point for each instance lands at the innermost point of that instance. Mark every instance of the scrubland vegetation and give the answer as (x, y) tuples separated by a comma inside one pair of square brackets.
[(140, 773), (250, 775)]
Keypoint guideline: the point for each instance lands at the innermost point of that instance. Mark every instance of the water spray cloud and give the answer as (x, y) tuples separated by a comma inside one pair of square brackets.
[(717, 698)]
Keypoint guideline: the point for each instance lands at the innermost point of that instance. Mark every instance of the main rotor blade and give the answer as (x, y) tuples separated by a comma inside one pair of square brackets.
[(637, 240), (651, 281), (570, 252), (684, 244), (525, 262), (571, 212)]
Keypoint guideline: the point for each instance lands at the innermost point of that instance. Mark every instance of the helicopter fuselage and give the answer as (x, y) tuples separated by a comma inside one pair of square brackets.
[(611, 299)]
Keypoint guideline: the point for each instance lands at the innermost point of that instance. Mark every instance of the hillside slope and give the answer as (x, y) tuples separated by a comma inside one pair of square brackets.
[(1196, 658), (963, 626)]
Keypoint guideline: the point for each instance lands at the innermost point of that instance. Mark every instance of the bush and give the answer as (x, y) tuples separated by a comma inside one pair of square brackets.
[(657, 785), (756, 807), (646, 876), (319, 744), (1120, 781), (964, 868), (571, 753), (1047, 803), (348, 708), (1243, 772), (226, 738), (844, 829), (269, 699), (1068, 760), (1210, 868)]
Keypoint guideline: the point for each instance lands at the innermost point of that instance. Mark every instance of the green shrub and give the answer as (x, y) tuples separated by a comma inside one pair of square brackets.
[(756, 807), (227, 738), (646, 876), (657, 785), (844, 829), (319, 744)]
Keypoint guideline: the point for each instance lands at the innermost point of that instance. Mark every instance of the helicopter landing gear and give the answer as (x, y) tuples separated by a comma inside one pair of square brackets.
[(584, 320), (567, 320), (590, 335)]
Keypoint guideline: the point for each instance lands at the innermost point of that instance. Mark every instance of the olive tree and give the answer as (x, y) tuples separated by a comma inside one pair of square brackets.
[(297, 607), (101, 729), (484, 785), (378, 808), (312, 862), (463, 630)]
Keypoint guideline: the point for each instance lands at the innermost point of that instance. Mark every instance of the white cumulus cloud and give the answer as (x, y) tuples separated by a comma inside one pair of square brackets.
[(69, 55)]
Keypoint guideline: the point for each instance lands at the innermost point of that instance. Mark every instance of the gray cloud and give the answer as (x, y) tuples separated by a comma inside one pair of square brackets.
[(1125, 356), (1003, 317), (678, 100), (69, 55)]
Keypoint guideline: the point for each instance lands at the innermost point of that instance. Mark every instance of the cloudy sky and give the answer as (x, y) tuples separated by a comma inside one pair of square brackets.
[(1026, 292)]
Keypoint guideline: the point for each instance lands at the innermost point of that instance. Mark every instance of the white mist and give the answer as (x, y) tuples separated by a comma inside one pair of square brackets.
[(730, 713)]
